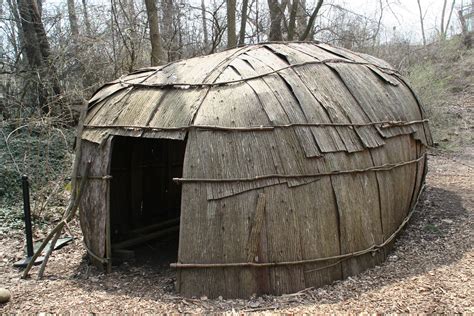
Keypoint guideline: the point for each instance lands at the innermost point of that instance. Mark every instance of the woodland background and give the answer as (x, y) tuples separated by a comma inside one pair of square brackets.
[(55, 54)]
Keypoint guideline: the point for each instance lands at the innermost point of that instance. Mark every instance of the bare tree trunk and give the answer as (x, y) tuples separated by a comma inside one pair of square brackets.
[(449, 19), (275, 21), (156, 49), (422, 18), (112, 34), (1, 34), (40, 31), (231, 36), (134, 40), (87, 22), (442, 16), (44, 47), (301, 17), (32, 50), (292, 22), (283, 6), (169, 33), (204, 23), (166, 29), (179, 27), (21, 39), (243, 21), (71, 10), (257, 21), (309, 27), (38, 50)]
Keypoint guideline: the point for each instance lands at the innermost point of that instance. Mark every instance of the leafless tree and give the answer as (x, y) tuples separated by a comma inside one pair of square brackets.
[(156, 49), (171, 33), (292, 22), (243, 21), (217, 27), (231, 36), (71, 9), (204, 23), (38, 52), (87, 22), (443, 26), (309, 27), (422, 24), (276, 18), (301, 17)]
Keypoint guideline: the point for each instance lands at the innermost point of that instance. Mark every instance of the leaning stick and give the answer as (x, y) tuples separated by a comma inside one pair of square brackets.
[(57, 230), (75, 196), (74, 201), (48, 253), (70, 213)]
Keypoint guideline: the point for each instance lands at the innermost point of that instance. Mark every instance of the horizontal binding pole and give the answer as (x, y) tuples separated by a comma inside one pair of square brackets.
[(187, 85), (385, 167), (381, 124), (371, 249)]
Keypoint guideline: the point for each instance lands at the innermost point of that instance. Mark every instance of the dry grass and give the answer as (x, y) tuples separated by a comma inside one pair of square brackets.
[(443, 80)]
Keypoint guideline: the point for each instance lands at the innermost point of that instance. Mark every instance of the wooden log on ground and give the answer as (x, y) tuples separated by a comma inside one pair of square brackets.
[(142, 239), (157, 226)]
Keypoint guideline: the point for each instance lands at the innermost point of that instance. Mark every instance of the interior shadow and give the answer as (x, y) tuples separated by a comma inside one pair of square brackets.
[(145, 202)]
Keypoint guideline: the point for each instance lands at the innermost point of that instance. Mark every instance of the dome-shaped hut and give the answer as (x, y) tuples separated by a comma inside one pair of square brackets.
[(282, 165)]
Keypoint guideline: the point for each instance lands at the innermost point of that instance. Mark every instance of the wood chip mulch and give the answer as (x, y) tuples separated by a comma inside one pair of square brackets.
[(430, 269)]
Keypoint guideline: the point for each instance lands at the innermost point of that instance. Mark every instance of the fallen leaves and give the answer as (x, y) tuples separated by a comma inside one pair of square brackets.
[(430, 270)]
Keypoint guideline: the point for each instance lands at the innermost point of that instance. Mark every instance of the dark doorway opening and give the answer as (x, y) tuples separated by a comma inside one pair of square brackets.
[(145, 203)]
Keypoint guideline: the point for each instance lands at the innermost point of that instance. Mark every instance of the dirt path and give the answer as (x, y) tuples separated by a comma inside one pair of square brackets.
[(430, 269)]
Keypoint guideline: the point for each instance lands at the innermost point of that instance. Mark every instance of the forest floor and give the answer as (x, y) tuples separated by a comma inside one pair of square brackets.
[(429, 270)]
